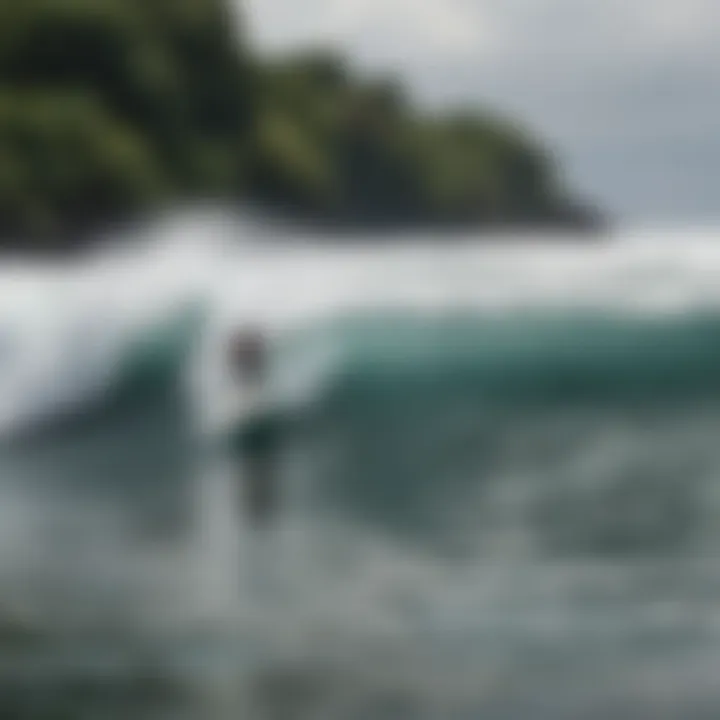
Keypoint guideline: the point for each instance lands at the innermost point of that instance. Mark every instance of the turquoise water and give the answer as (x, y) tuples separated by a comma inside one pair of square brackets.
[(605, 426)]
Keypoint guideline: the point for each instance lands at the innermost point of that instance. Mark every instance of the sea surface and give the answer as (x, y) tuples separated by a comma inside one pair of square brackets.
[(500, 495)]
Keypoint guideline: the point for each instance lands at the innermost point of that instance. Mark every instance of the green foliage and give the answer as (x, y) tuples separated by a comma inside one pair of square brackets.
[(476, 167), (355, 149), (292, 160), (65, 162), (110, 107)]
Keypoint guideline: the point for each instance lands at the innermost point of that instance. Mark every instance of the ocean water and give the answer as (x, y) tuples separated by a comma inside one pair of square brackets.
[(499, 498)]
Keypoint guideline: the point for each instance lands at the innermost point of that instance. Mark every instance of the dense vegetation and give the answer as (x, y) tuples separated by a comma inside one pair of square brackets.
[(109, 108)]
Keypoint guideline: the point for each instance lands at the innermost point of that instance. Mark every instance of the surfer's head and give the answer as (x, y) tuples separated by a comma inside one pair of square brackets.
[(248, 353)]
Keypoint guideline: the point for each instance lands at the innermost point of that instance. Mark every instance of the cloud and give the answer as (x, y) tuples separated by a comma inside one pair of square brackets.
[(627, 91), (373, 30)]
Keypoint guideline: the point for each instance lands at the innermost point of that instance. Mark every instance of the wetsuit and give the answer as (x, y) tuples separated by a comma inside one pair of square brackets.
[(256, 442)]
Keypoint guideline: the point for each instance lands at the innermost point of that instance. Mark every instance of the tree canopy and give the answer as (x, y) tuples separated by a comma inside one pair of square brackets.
[(113, 107)]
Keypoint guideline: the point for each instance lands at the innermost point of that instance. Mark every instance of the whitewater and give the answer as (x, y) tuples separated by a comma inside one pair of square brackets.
[(503, 504)]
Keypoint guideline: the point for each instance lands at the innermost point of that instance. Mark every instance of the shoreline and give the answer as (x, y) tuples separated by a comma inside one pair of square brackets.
[(72, 245)]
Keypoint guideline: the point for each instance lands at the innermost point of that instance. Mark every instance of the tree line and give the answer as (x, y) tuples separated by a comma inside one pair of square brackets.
[(110, 109)]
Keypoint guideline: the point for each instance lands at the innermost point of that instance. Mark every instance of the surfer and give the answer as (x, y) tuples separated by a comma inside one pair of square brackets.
[(256, 437)]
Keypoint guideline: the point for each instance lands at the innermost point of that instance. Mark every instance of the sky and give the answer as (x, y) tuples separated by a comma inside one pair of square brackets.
[(625, 92)]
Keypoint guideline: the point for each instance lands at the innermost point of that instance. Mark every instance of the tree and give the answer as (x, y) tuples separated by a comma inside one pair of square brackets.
[(168, 78)]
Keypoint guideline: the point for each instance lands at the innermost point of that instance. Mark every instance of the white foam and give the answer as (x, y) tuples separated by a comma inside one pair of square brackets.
[(65, 322)]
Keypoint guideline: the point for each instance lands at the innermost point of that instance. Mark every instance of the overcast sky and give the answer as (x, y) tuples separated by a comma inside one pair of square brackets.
[(626, 91)]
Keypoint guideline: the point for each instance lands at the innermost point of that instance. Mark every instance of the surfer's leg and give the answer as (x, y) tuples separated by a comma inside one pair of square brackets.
[(260, 489)]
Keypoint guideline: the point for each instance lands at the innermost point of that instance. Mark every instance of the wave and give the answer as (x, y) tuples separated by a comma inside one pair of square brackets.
[(528, 357), (454, 424), (150, 366), (554, 433)]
